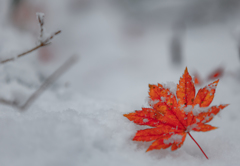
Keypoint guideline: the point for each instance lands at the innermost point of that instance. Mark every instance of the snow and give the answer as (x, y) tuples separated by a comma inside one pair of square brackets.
[(192, 126), (195, 110), (176, 138), (163, 99), (153, 102), (145, 120), (15, 92), (187, 109), (83, 124), (41, 16), (171, 86)]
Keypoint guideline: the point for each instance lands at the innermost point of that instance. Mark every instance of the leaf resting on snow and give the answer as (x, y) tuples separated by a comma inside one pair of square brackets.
[(173, 117)]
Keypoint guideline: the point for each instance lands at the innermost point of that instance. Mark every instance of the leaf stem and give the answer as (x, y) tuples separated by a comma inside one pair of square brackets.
[(198, 145)]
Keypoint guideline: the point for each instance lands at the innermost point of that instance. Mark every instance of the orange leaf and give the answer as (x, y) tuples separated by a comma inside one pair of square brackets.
[(205, 95), (173, 117), (186, 90), (203, 127), (206, 117), (153, 133)]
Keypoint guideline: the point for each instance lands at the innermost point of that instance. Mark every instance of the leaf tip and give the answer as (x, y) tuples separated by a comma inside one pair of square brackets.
[(216, 82), (225, 105), (148, 149), (126, 115), (186, 70), (150, 86)]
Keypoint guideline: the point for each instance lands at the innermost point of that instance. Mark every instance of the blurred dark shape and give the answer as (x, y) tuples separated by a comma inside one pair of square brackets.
[(176, 49), (176, 45), (23, 14), (45, 55), (15, 3), (133, 30), (19, 13), (80, 5), (202, 12), (236, 37), (188, 12), (216, 73), (239, 50)]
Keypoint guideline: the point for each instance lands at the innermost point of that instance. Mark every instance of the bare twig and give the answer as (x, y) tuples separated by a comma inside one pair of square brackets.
[(6, 102), (42, 43), (63, 68), (41, 22)]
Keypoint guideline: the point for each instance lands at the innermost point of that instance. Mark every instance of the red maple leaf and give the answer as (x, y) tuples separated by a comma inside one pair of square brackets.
[(174, 116)]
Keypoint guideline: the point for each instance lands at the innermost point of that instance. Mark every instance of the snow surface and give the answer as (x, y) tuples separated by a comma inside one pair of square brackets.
[(83, 124), (174, 138)]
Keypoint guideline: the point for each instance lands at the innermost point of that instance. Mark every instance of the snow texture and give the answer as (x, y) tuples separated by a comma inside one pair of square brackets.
[(171, 86), (79, 119), (176, 138), (195, 110)]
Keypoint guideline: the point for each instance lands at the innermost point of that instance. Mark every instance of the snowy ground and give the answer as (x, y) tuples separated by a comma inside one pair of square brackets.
[(84, 124)]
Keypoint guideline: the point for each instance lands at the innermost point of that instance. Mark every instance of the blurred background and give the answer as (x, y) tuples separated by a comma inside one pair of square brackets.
[(123, 44)]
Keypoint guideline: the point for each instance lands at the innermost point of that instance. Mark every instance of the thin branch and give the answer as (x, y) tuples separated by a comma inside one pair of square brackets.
[(50, 80), (47, 40), (63, 68), (42, 43), (6, 102)]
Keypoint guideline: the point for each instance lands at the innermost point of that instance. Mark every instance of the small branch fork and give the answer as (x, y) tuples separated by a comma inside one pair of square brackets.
[(42, 43), (63, 68)]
